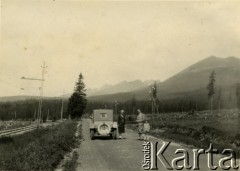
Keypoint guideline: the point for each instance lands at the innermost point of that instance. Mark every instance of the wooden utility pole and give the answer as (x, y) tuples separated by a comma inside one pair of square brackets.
[(41, 90), (39, 116)]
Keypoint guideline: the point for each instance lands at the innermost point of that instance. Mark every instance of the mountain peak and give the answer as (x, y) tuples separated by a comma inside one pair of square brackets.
[(230, 58), (213, 62), (213, 57)]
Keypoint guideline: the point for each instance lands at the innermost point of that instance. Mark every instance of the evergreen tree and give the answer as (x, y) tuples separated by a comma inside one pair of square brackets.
[(77, 102), (210, 88)]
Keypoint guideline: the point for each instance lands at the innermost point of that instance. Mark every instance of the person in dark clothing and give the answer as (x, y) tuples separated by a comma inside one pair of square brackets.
[(121, 124)]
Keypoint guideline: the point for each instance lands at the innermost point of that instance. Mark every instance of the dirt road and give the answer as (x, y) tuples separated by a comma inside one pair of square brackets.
[(105, 154)]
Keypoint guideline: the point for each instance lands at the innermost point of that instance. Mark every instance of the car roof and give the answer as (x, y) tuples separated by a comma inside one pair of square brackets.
[(102, 110)]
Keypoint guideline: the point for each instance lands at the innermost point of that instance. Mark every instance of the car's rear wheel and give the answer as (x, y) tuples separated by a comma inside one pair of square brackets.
[(114, 134), (92, 134)]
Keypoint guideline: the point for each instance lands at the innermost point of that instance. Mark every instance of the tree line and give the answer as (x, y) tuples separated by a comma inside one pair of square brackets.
[(215, 98), (27, 109)]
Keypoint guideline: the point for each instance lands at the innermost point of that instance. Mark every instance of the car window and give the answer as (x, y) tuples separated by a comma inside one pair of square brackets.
[(103, 115)]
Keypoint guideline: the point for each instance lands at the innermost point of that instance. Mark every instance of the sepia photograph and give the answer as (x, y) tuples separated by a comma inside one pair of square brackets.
[(93, 85)]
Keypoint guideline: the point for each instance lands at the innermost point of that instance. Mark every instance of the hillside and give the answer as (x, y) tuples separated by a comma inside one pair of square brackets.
[(196, 76)]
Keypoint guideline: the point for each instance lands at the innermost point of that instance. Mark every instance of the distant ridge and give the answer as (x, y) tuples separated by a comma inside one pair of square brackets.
[(124, 86), (20, 98), (192, 79)]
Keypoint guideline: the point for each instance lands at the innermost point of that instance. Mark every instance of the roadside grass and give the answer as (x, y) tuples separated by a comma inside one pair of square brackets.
[(41, 149), (199, 129), (71, 164)]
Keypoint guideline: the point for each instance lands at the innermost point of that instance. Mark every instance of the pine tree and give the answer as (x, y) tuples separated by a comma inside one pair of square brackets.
[(77, 101), (210, 88)]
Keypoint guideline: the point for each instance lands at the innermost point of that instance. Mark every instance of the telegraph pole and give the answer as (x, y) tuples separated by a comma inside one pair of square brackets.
[(41, 90), (39, 116)]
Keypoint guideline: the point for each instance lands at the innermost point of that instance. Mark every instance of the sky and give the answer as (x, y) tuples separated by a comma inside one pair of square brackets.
[(109, 42)]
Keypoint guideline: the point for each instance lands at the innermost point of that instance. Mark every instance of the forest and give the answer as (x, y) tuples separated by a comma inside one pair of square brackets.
[(27, 109), (51, 108)]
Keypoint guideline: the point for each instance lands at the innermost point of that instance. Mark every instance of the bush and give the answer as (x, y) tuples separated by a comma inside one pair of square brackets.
[(5, 140), (237, 137)]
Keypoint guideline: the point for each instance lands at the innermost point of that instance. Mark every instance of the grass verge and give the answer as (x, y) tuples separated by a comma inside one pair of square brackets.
[(70, 161), (41, 149), (71, 164)]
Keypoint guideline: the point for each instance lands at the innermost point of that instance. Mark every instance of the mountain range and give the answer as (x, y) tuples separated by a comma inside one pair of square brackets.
[(190, 81), (124, 86)]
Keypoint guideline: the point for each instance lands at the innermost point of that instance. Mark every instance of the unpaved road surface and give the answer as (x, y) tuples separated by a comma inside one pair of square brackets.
[(105, 154)]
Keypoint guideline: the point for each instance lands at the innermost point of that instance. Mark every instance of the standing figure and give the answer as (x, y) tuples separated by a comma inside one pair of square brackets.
[(141, 118), (121, 124)]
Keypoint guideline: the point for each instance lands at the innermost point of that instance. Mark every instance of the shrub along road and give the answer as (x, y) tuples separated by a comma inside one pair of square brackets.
[(104, 154)]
